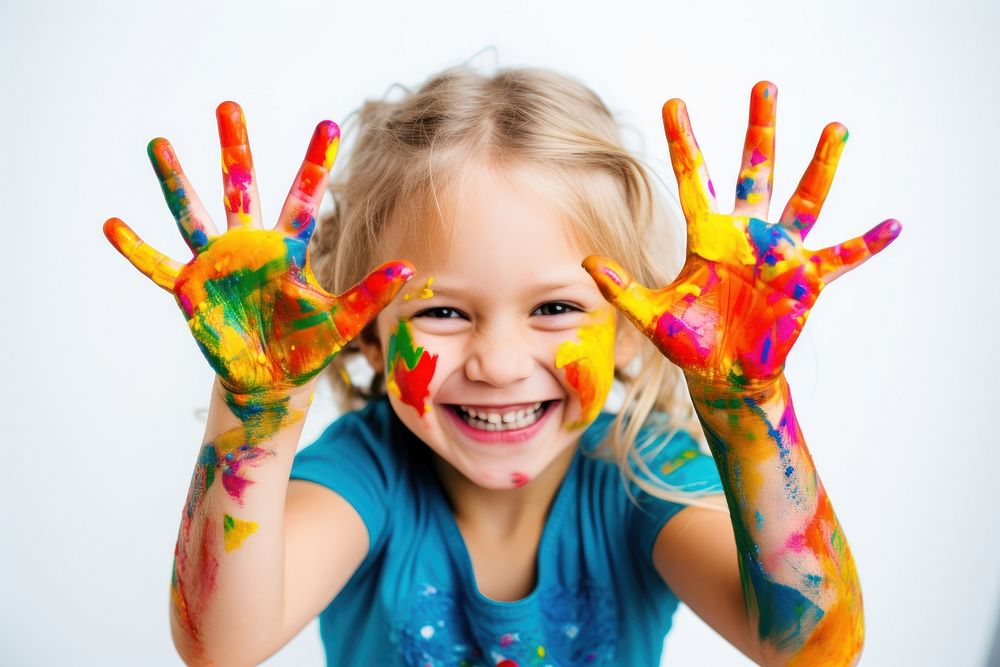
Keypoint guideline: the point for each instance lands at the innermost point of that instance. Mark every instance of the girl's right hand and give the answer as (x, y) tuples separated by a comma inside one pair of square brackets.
[(249, 295)]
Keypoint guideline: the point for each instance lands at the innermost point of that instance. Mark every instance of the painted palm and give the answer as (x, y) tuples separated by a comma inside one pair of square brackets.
[(249, 296), (262, 321), (747, 286), (729, 320)]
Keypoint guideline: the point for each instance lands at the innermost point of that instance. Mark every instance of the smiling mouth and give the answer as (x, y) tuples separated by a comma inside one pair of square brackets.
[(483, 418)]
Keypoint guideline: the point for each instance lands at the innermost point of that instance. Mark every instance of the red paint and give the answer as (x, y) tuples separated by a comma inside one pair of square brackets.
[(519, 479), (414, 384)]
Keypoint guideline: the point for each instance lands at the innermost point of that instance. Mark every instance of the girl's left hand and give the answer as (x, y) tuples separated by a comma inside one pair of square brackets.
[(747, 286)]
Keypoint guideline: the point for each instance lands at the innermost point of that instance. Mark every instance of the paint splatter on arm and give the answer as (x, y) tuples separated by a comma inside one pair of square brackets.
[(729, 321), (266, 327)]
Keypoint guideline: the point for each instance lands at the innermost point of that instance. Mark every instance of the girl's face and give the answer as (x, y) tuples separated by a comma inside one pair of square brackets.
[(500, 351)]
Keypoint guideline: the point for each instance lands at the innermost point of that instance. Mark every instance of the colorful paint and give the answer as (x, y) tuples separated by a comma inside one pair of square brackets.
[(409, 369), (590, 366), (239, 189), (261, 320), (236, 530), (729, 320), (519, 479), (424, 292)]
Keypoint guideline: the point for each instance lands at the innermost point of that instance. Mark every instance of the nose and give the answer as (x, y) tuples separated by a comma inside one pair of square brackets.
[(499, 357)]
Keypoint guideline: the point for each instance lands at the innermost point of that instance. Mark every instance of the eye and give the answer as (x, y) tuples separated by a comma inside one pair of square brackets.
[(440, 313), (555, 308)]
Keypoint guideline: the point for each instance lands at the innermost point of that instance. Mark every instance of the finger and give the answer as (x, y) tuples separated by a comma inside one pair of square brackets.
[(695, 187), (753, 186), (192, 219), (633, 299), (158, 267), (833, 262), (804, 206), (238, 179), (298, 215), (360, 304)]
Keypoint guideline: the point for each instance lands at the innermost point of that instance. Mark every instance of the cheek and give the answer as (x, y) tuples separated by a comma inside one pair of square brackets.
[(589, 362), (409, 369)]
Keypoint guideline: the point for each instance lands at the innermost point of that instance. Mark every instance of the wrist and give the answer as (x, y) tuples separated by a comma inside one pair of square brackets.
[(262, 403), (714, 388)]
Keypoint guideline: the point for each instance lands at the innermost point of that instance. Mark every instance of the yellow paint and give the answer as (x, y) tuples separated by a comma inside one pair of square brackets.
[(689, 288), (237, 530), (676, 463), (331, 154), (541, 651), (590, 366), (424, 292), (721, 238)]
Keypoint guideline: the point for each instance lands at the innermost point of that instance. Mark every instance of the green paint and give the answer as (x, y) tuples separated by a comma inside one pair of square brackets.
[(312, 320), (401, 344)]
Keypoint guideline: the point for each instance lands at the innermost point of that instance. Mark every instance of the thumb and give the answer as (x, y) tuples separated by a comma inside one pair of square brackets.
[(633, 299), (359, 305)]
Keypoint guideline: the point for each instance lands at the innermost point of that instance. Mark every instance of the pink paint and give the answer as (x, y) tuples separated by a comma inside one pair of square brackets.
[(796, 542), (519, 479)]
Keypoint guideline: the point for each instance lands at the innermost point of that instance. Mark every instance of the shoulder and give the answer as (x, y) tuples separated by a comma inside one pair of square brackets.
[(362, 457), (370, 434)]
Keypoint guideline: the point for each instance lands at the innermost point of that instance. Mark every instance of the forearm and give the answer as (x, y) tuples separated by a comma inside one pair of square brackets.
[(799, 579), (227, 585)]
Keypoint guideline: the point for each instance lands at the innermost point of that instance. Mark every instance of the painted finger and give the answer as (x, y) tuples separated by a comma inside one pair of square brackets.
[(158, 267), (192, 218), (633, 299), (238, 179), (695, 187), (360, 304), (298, 215), (833, 262), (753, 186), (804, 206)]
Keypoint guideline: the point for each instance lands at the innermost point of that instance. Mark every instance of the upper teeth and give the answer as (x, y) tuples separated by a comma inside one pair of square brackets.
[(501, 417), (500, 421)]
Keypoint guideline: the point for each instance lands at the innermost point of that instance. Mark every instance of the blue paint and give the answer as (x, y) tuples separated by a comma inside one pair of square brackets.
[(765, 238), (799, 291), (789, 471), (198, 237), (744, 188), (296, 248), (766, 350), (759, 518), (787, 617)]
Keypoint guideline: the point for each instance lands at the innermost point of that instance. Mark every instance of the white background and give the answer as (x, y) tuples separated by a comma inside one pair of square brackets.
[(894, 379)]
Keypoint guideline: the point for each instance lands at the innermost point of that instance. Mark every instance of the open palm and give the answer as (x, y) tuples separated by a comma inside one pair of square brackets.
[(249, 296), (747, 285)]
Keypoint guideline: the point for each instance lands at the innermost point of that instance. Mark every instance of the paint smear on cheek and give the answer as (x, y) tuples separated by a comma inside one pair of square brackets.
[(410, 369), (590, 366)]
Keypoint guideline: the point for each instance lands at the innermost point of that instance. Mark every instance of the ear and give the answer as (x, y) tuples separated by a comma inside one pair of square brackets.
[(627, 342), (371, 347)]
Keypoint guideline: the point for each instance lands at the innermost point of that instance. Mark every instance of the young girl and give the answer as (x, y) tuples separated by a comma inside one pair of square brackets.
[(481, 509)]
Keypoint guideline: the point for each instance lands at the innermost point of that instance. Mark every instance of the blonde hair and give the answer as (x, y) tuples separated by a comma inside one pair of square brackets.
[(404, 150)]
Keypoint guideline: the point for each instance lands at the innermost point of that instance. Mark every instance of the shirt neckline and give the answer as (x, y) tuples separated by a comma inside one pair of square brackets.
[(459, 551)]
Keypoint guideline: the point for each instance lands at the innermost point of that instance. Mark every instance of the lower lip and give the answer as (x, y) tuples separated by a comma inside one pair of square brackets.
[(513, 436)]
